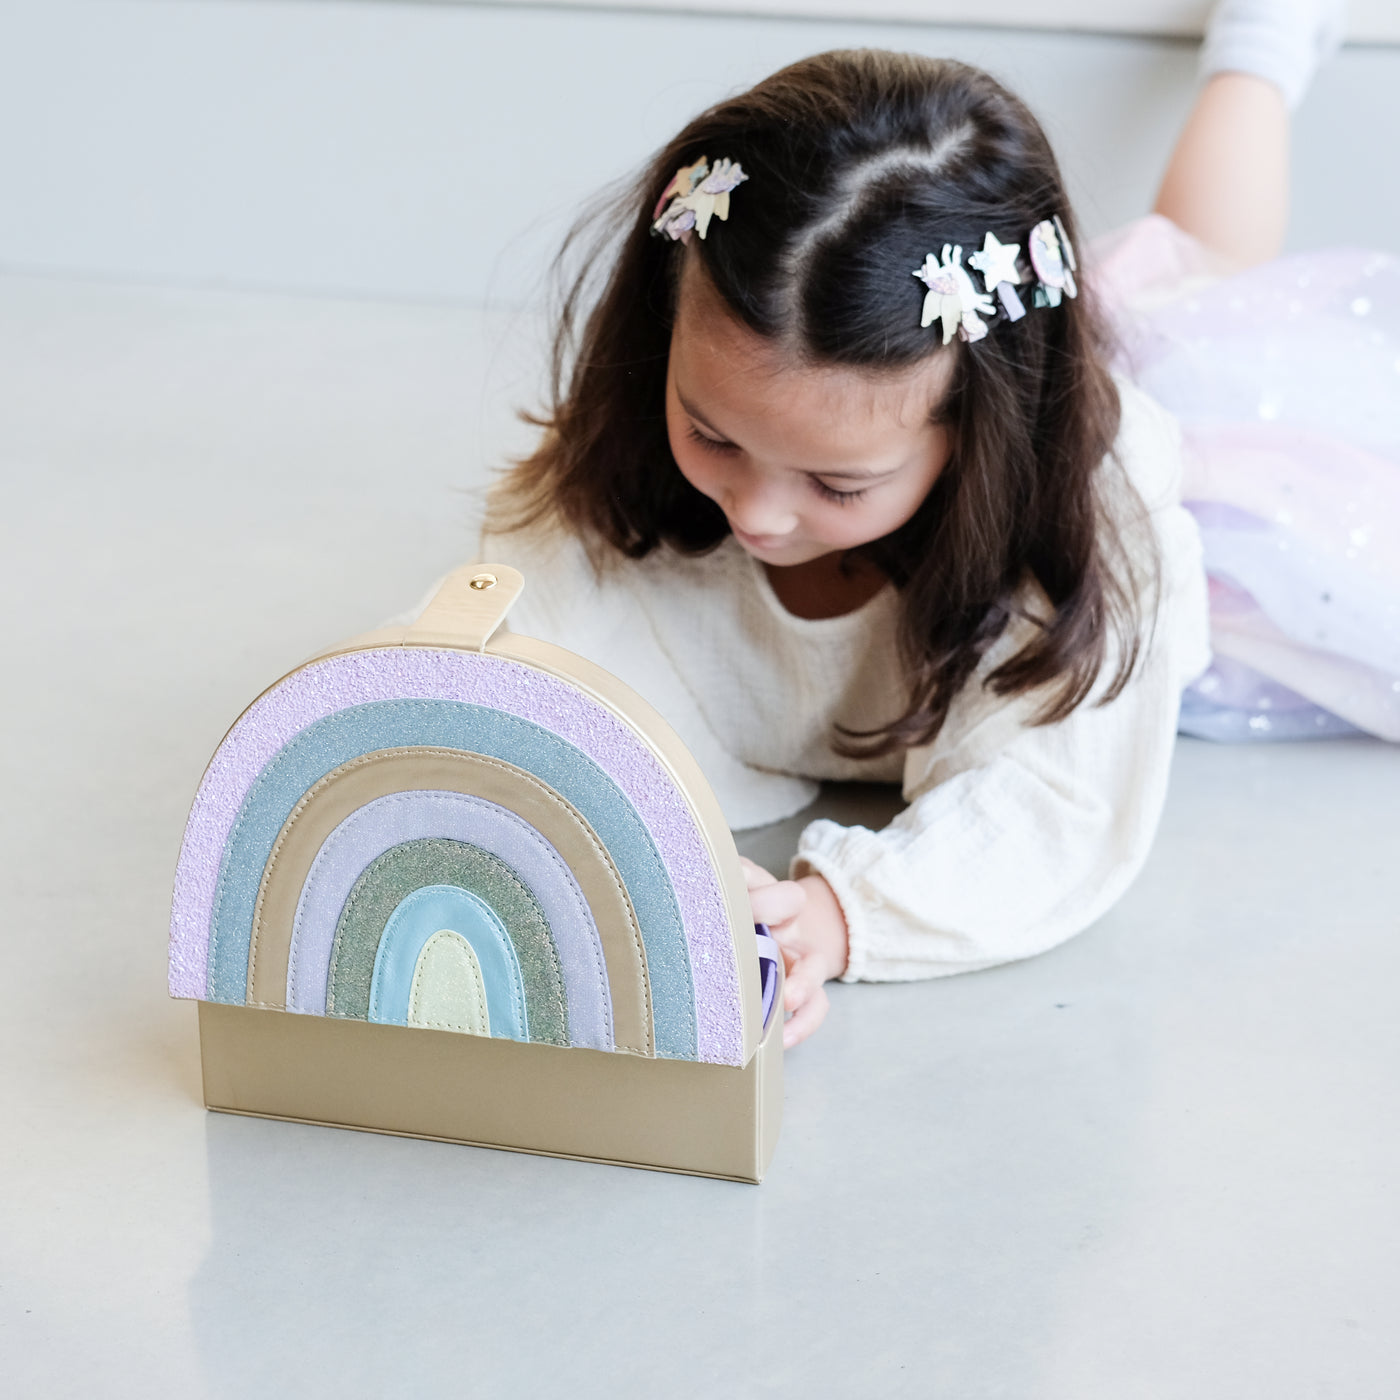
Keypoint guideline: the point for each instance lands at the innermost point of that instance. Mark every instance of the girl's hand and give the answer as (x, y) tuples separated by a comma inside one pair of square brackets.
[(806, 919)]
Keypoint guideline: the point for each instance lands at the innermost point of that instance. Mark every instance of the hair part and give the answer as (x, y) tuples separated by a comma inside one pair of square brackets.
[(860, 163)]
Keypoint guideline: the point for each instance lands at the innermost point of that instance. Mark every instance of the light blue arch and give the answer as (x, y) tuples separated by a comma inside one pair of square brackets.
[(454, 724), (414, 921), (397, 817)]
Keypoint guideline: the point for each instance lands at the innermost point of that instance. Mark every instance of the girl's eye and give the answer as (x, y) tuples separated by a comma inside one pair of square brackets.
[(713, 444), (717, 445), (832, 494)]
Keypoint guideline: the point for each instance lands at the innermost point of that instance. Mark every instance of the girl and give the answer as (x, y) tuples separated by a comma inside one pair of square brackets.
[(837, 476)]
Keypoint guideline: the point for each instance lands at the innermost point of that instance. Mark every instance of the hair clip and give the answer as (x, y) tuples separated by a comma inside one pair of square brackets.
[(1052, 257), (952, 298), (996, 261), (696, 194)]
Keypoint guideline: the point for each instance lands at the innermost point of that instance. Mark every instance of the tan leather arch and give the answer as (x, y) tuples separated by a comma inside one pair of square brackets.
[(344, 790)]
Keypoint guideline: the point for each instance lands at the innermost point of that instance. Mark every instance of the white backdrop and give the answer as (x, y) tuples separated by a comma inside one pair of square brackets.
[(1369, 21), (437, 151)]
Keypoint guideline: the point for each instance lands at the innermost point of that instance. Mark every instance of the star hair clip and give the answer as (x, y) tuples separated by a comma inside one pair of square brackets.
[(697, 193), (953, 298)]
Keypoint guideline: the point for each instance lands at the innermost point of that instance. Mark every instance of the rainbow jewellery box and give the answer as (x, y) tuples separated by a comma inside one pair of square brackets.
[(453, 882)]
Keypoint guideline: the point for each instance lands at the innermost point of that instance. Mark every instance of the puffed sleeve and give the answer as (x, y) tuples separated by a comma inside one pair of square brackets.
[(1019, 836)]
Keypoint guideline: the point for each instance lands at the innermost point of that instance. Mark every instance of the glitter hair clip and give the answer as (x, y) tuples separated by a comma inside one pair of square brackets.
[(953, 298), (1052, 257), (696, 194)]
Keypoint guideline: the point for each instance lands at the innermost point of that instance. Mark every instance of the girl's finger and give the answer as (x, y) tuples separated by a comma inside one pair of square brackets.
[(789, 935), (806, 1019), (791, 944), (802, 983), (755, 875), (777, 903), (792, 955)]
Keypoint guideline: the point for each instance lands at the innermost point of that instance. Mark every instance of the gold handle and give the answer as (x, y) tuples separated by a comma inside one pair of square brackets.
[(471, 604)]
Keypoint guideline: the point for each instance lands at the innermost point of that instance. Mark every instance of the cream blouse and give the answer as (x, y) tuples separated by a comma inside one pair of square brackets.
[(1015, 837)]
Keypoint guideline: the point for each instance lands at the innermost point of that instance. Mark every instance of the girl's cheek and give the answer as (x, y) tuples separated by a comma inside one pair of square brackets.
[(684, 454), (860, 522), (839, 526), (696, 474)]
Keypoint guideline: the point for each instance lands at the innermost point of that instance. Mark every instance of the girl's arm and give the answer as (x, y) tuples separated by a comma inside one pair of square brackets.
[(1017, 836), (1010, 855)]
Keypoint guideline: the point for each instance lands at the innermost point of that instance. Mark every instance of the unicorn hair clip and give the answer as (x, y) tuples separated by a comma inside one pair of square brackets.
[(697, 193), (953, 298)]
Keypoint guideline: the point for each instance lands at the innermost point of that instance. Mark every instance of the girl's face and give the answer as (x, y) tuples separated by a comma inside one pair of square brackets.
[(804, 462)]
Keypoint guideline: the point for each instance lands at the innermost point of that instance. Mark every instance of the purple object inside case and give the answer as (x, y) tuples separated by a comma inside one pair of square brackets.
[(767, 968)]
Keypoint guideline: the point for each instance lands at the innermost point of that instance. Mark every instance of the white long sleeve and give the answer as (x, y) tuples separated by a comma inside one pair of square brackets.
[(1009, 852), (1018, 837)]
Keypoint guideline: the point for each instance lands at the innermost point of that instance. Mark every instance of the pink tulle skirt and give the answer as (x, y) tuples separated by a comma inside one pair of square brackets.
[(1286, 381)]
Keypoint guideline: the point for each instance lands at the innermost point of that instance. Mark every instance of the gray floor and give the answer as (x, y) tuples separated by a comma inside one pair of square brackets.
[(1158, 1162)]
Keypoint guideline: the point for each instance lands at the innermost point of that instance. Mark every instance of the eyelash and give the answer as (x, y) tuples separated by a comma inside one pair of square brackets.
[(822, 489), (831, 494), (715, 446)]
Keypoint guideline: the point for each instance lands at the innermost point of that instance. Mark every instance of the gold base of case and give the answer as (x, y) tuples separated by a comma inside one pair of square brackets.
[(665, 1115)]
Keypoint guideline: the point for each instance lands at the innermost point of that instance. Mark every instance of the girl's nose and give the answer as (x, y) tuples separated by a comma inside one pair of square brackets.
[(758, 511)]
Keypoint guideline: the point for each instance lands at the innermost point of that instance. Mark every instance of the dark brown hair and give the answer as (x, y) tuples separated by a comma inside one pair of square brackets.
[(860, 163)]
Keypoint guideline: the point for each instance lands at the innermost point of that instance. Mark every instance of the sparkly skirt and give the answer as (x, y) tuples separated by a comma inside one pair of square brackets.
[(1286, 381)]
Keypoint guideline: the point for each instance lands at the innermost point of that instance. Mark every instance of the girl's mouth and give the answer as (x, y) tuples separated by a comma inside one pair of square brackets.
[(758, 544)]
